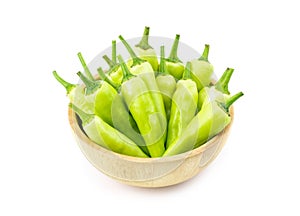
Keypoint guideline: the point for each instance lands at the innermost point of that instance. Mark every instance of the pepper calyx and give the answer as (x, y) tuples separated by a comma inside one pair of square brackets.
[(144, 43), (204, 56), (135, 59), (127, 75), (173, 54), (90, 85), (85, 117)]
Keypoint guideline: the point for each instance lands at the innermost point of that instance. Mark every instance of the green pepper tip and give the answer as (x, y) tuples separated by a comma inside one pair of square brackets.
[(231, 100), (162, 64), (173, 54), (114, 52), (222, 84), (68, 86), (144, 44), (85, 67), (108, 61), (204, 56), (146, 30)]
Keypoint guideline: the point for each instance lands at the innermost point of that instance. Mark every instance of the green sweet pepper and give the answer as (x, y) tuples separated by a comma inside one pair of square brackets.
[(218, 92), (174, 65), (121, 118), (143, 109), (100, 94), (144, 70), (145, 51), (166, 83), (202, 69), (76, 94), (184, 106), (210, 120), (106, 136)]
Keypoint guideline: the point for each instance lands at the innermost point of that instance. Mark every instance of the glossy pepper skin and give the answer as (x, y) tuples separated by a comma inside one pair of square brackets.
[(174, 65), (121, 118), (210, 120), (218, 92), (166, 83), (100, 95), (184, 106), (145, 51), (142, 107), (76, 94), (106, 136), (202, 69), (143, 69)]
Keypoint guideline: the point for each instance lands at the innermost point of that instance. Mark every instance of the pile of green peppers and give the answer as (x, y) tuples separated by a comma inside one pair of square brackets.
[(150, 107)]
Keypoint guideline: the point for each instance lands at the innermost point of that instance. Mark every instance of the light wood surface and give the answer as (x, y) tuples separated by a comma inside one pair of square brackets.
[(149, 172)]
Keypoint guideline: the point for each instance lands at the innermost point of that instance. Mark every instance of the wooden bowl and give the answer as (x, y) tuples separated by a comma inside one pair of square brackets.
[(149, 172)]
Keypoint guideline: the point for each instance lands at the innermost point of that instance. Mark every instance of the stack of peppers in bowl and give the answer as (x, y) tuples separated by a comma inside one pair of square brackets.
[(148, 106)]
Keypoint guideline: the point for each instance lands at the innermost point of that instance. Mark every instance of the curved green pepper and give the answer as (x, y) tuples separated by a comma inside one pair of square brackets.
[(121, 118), (106, 136), (145, 51), (174, 65), (184, 106), (100, 95), (76, 94), (202, 69), (142, 107), (210, 120), (144, 70), (166, 83), (217, 92)]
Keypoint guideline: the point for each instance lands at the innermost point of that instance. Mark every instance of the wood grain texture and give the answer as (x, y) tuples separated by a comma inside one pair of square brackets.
[(149, 172)]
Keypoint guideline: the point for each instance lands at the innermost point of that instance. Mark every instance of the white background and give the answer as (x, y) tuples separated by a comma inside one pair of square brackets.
[(43, 172)]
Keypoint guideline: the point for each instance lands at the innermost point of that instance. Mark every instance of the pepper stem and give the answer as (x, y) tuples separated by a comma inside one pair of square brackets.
[(144, 43), (187, 71), (85, 67), (114, 52), (222, 84), (136, 60), (232, 99), (162, 64), (204, 56), (126, 73), (173, 54), (85, 117), (104, 77), (108, 61), (91, 86), (68, 86)]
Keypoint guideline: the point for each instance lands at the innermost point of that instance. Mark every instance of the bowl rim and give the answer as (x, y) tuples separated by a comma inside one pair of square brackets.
[(81, 135)]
